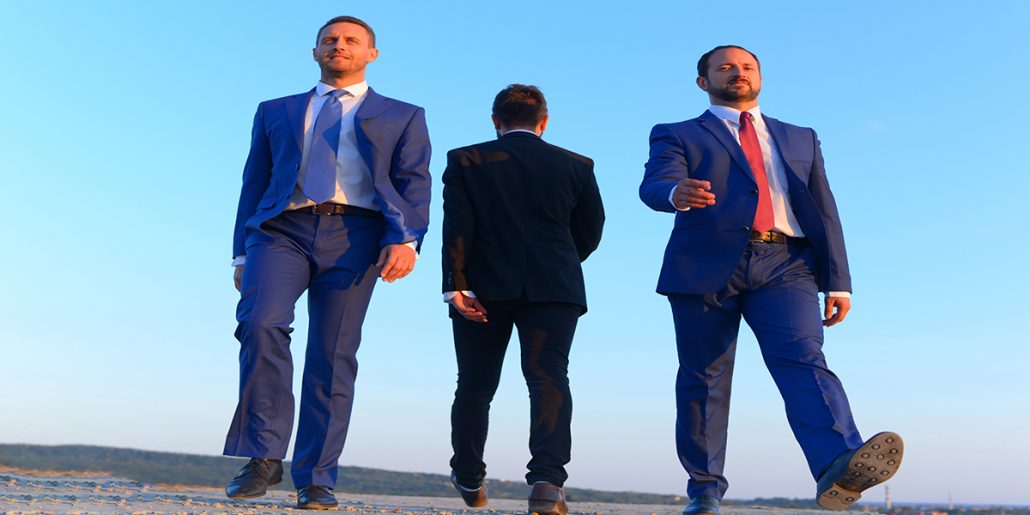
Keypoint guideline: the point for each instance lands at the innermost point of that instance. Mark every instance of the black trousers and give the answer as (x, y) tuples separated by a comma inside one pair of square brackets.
[(545, 333)]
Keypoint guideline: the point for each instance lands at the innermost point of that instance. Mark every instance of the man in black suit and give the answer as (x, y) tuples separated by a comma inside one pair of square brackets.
[(520, 215)]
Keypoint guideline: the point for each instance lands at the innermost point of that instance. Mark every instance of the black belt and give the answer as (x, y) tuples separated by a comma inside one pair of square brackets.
[(774, 237), (329, 208)]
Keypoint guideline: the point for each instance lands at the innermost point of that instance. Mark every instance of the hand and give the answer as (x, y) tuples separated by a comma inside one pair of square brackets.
[(395, 261), (237, 276), (694, 194), (469, 307), (836, 309)]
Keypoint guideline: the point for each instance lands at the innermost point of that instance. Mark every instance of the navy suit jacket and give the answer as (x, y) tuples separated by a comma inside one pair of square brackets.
[(392, 139), (707, 244), (519, 216)]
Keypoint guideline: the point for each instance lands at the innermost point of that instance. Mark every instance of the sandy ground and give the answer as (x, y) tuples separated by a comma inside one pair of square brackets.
[(23, 491)]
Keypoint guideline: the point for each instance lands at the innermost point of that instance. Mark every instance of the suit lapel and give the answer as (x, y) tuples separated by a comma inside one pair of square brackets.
[(295, 107), (778, 131), (369, 133), (714, 125)]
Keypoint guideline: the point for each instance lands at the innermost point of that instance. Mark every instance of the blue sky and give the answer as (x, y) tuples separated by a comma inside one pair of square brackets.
[(125, 127)]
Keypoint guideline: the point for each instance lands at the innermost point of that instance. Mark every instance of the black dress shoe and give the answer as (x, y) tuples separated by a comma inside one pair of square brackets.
[(254, 478), (316, 498), (474, 498), (876, 461), (702, 505)]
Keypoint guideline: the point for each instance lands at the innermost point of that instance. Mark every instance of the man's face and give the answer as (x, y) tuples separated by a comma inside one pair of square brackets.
[(733, 76), (344, 49)]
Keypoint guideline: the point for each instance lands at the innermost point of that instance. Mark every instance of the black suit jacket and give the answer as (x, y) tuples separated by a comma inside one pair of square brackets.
[(520, 215)]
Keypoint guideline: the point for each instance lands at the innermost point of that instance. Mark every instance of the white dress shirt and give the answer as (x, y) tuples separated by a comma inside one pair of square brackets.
[(353, 179)]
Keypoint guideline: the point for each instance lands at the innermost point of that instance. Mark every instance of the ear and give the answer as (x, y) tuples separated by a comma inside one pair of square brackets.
[(314, 54), (542, 125), (373, 54), (497, 123), (702, 83)]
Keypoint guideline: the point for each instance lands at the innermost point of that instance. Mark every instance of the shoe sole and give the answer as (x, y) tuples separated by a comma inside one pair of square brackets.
[(874, 462), (317, 506), (548, 507), (245, 497)]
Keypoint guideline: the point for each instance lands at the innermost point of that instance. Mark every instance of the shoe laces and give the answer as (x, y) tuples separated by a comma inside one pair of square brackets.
[(262, 466)]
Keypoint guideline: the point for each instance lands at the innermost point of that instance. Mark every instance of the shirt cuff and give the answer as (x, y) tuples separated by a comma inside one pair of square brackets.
[(449, 296), (414, 246), (674, 206), (239, 260), (841, 294)]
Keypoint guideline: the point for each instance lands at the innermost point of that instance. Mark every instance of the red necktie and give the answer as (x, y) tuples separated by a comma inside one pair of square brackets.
[(749, 142)]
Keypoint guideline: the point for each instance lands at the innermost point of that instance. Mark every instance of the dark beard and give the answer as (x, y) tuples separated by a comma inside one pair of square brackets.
[(726, 95)]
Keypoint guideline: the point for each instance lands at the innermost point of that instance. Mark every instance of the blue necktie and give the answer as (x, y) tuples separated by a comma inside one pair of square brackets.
[(320, 176)]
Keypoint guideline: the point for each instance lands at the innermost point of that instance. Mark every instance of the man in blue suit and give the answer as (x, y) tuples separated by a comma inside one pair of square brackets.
[(757, 235), (335, 195)]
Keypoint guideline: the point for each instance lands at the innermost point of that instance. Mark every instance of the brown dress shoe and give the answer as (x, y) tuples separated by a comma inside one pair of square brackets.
[(547, 499), (473, 498)]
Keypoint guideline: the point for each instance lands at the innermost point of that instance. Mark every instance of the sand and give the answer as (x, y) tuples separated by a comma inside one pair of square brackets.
[(25, 491)]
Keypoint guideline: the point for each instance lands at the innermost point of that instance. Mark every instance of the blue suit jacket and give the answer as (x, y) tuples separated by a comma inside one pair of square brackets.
[(392, 139), (707, 244)]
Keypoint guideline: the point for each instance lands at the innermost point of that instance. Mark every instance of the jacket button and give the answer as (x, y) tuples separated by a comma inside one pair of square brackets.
[(745, 229), (754, 192), (296, 167)]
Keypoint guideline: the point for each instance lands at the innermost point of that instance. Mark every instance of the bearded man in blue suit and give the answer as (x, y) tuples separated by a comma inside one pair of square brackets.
[(757, 235), (335, 195)]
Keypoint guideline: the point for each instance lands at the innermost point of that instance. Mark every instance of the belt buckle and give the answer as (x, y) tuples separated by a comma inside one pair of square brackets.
[(321, 209)]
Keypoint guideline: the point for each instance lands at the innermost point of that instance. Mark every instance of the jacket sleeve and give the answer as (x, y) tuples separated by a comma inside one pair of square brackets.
[(257, 173), (410, 176), (587, 219), (665, 167), (459, 225), (839, 274)]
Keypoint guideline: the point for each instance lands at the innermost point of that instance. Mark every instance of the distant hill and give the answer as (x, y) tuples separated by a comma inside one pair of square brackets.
[(215, 471)]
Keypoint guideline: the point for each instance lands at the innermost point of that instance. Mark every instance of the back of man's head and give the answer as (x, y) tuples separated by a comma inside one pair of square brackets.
[(520, 106)]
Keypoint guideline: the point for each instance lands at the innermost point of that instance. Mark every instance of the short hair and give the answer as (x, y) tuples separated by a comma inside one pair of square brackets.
[(702, 64), (519, 105), (347, 19)]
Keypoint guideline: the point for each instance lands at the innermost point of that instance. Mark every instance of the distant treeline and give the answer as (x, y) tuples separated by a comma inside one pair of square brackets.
[(215, 471)]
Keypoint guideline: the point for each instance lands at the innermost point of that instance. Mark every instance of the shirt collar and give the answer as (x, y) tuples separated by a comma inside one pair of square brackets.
[(520, 130), (733, 116), (357, 90)]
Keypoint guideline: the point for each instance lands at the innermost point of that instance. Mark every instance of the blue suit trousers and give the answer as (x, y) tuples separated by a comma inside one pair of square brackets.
[(333, 258), (773, 288)]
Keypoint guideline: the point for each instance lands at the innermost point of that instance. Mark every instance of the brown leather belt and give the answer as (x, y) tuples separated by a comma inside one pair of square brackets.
[(774, 237), (329, 208)]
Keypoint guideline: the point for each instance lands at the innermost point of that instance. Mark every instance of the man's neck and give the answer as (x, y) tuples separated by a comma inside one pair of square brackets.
[(338, 82), (739, 106), (505, 130)]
